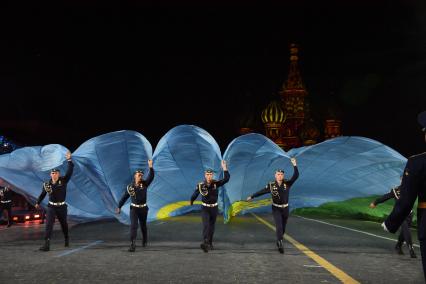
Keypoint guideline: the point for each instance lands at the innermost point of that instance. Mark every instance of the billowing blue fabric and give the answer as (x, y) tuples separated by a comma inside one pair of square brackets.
[(104, 165), (180, 159), (27, 168), (109, 162), (333, 170)]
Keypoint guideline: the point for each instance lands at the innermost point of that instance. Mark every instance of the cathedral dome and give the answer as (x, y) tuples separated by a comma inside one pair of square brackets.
[(273, 113)]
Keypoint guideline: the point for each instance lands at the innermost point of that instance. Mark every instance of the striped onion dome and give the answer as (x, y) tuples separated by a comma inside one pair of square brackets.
[(273, 113)]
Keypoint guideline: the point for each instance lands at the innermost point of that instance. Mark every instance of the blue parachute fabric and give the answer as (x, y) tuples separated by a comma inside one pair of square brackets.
[(104, 165), (180, 159), (343, 168), (27, 168), (109, 162), (252, 159), (334, 170)]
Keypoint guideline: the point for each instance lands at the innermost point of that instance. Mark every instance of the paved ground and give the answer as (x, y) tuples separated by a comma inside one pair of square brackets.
[(244, 252)]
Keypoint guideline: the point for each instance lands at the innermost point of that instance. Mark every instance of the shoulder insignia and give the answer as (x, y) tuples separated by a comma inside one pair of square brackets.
[(47, 187), (273, 188), (131, 190), (202, 189)]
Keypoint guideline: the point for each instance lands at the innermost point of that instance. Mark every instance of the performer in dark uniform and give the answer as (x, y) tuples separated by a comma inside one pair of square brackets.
[(413, 185), (279, 189), (6, 203), (56, 187), (138, 207), (209, 190), (405, 234)]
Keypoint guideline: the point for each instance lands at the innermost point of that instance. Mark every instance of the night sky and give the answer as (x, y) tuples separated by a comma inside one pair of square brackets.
[(83, 68)]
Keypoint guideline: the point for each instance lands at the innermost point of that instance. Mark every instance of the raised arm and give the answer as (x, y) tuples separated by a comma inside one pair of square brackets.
[(225, 179), (226, 174), (150, 174), (295, 172), (70, 168)]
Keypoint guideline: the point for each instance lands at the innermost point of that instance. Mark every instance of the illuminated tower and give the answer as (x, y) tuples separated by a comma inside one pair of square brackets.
[(293, 102)]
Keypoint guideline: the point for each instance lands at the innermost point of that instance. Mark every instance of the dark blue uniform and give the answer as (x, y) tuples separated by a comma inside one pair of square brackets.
[(209, 208), (413, 186), (405, 234), (56, 206), (6, 203), (138, 207), (280, 210)]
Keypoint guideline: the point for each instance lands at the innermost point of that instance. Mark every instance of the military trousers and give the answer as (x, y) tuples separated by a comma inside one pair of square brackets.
[(280, 217), (59, 212), (140, 214), (208, 215)]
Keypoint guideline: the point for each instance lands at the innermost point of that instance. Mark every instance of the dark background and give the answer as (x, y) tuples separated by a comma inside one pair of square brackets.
[(74, 70)]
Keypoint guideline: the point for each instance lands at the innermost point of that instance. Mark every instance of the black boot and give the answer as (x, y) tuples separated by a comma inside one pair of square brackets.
[(398, 248), (280, 246), (67, 242), (412, 253), (46, 246), (205, 246), (211, 245), (132, 247), (144, 243)]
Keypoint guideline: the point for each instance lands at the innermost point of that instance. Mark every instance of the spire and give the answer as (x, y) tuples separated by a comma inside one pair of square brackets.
[(293, 101), (294, 79)]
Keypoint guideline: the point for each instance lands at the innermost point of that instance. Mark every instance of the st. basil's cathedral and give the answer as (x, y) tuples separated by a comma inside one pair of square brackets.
[(287, 121)]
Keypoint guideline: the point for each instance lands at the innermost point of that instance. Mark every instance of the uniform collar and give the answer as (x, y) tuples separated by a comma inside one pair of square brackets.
[(57, 182)]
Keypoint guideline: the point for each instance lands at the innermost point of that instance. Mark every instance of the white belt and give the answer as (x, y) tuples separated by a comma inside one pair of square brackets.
[(209, 205), (280, 205), (7, 201), (138, 205), (56, 203)]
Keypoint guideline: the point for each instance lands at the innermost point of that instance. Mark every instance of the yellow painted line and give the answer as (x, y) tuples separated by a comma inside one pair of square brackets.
[(338, 273)]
